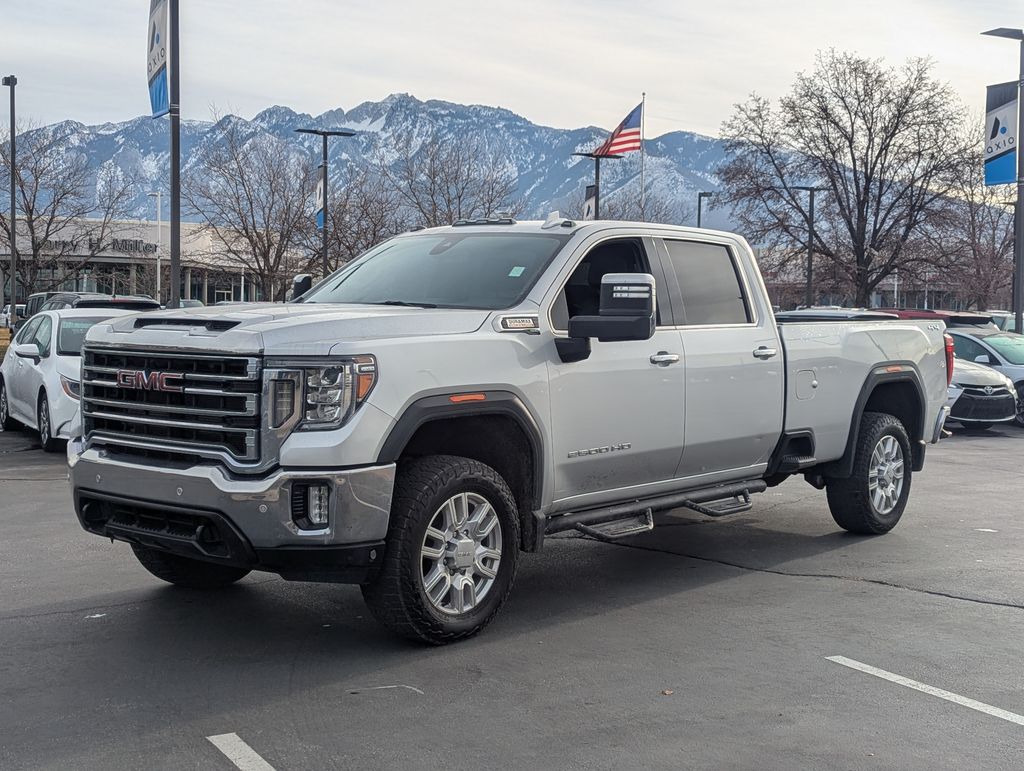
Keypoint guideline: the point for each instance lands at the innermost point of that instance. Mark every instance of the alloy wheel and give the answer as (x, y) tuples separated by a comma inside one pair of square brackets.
[(461, 553), (885, 474)]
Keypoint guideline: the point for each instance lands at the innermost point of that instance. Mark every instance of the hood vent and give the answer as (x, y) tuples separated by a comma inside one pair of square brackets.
[(210, 325)]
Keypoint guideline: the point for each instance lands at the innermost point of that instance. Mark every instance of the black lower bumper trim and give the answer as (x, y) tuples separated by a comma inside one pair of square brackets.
[(211, 537)]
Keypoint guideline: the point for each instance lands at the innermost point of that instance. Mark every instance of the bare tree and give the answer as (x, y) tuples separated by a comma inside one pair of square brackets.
[(885, 143), (254, 195), (65, 215), (441, 182), (624, 204)]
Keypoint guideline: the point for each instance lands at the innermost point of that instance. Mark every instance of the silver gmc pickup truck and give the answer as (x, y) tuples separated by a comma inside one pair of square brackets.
[(416, 420)]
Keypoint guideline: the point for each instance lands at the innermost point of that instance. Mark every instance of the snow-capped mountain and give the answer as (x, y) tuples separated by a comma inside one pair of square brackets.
[(678, 164)]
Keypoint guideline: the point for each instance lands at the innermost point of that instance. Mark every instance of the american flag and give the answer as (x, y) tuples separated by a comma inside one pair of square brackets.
[(626, 136)]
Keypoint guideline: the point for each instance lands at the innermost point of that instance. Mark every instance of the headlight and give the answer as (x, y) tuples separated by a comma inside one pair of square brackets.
[(71, 387), (330, 391)]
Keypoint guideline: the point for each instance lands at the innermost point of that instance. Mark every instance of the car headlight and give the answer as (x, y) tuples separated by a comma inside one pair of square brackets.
[(71, 387), (328, 393)]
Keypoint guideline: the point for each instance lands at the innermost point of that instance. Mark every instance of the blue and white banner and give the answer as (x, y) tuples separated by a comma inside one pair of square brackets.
[(320, 199), (1001, 134), (156, 60)]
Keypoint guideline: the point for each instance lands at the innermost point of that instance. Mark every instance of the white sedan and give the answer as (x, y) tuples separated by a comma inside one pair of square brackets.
[(39, 385)]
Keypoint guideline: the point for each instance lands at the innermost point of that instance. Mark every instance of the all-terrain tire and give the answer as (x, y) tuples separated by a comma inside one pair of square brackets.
[(396, 596), (7, 423), (851, 500), (185, 572)]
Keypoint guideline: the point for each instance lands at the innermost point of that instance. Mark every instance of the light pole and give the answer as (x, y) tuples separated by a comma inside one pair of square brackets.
[(809, 288), (159, 240), (700, 201), (323, 134), (11, 81), (597, 178), (1018, 210)]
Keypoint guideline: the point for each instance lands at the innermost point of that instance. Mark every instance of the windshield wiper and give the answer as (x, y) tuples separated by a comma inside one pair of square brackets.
[(404, 304)]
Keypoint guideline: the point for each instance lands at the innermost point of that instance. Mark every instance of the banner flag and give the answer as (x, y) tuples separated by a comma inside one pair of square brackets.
[(1001, 134), (588, 202), (156, 65), (320, 199)]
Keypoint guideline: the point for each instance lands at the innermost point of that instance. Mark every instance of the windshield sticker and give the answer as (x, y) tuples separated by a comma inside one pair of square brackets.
[(516, 272)]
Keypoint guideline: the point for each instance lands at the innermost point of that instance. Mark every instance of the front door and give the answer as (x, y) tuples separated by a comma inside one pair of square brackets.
[(617, 416), (734, 361)]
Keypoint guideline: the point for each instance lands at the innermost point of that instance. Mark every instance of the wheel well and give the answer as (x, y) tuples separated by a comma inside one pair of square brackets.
[(901, 400), (497, 440)]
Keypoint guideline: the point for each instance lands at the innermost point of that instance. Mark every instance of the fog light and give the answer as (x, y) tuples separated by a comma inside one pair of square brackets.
[(317, 504)]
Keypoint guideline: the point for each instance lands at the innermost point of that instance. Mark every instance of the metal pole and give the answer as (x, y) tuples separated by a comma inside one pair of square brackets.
[(597, 187), (175, 112), (700, 202), (12, 81), (1018, 212), (643, 200), (323, 248), (809, 292), (159, 242)]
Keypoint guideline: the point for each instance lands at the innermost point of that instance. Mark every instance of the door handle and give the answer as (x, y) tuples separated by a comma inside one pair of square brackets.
[(664, 358), (764, 352)]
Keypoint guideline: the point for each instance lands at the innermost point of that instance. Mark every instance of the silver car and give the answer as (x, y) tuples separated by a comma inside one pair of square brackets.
[(1002, 351), (979, 397)]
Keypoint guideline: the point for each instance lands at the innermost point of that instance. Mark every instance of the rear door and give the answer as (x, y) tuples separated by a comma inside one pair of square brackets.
[(19, 386), (733, 359)]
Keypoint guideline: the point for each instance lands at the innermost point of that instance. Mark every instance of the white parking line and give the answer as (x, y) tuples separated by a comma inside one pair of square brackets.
[(980, 706), (239, 753)]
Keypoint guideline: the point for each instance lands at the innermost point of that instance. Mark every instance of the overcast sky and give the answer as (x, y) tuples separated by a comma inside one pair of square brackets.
[(557, 63)]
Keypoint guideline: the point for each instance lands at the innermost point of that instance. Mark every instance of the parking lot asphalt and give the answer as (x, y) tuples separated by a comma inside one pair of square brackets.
[(702, 644)]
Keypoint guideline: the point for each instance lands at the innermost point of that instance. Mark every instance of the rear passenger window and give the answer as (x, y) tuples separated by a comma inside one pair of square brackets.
[(709, 283)]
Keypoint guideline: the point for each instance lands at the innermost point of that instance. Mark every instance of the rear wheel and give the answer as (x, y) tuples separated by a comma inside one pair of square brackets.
[(189, 573), (7, 423), (45, 425), (871, 501), (452, 550)]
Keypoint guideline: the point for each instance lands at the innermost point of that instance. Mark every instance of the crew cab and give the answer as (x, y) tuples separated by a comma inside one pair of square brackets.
[(419, 418)]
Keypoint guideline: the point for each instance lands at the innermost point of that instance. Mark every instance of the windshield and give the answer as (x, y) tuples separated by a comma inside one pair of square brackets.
[(71, 334), (1010, 347), (487, 271)]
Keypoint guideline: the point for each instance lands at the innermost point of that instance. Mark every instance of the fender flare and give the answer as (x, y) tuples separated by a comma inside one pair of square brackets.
[(440, 407), (881, 374)]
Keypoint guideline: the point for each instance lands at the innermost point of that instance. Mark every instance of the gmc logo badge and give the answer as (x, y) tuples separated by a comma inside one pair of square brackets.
[(148, 381)]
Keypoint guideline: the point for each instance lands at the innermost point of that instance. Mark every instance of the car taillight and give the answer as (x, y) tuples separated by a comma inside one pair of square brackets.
[(949, 357)]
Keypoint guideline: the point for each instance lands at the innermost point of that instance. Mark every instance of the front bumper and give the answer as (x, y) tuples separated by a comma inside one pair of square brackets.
[(202, 512)]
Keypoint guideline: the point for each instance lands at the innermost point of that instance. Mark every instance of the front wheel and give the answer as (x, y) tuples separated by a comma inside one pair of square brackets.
[(185, 572), (871, 501), (452, 550), (45, 425), (1019, 420)]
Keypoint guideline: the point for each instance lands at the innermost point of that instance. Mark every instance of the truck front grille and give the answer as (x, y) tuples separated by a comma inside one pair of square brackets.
[(188, 404)]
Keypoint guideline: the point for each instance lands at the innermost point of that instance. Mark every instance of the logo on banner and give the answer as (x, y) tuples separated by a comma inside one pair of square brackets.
[(590, 203), (1001, 134), (320, 200)]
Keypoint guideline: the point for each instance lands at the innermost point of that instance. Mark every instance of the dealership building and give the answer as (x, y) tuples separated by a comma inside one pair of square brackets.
[(125, 260)]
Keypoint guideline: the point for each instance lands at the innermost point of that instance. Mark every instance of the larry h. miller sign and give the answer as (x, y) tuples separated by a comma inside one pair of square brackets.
[(1001, 134)]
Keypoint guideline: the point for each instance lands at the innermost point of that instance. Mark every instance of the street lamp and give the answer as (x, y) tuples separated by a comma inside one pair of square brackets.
[(809, 288), (1018, 211), (700, 200), (159, 241), (323, 134), (11, 81)]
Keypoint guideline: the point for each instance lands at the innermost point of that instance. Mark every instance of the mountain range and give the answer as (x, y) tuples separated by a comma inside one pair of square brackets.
[(677, 166)]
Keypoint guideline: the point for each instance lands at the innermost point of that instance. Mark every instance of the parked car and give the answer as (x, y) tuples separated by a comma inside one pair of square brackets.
[(39, 377), (1004, 320), (33, 304), (191, 304), (455, 395), (5, 315), (967, 319), (63, 300), (979, 397), (1003, 351)]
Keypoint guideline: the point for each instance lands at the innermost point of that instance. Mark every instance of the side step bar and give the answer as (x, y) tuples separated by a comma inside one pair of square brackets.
[(741, 491), (620, 528)]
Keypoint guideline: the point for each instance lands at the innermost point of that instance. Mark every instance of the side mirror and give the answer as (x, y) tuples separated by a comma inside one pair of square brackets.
[(27, 351), (301, 284), (983, 359), (627, 310)]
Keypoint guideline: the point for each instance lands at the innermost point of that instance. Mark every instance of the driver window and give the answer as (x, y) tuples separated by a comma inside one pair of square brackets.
[(581, 295)]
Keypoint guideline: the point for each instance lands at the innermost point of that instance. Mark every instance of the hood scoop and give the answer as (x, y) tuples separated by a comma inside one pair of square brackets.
[(187, 322)]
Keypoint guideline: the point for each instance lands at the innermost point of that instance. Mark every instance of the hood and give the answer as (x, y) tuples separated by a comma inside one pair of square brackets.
[(972, 374), (281, 329)]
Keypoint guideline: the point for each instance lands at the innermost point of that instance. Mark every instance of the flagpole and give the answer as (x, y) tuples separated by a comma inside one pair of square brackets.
[(643, 109)]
